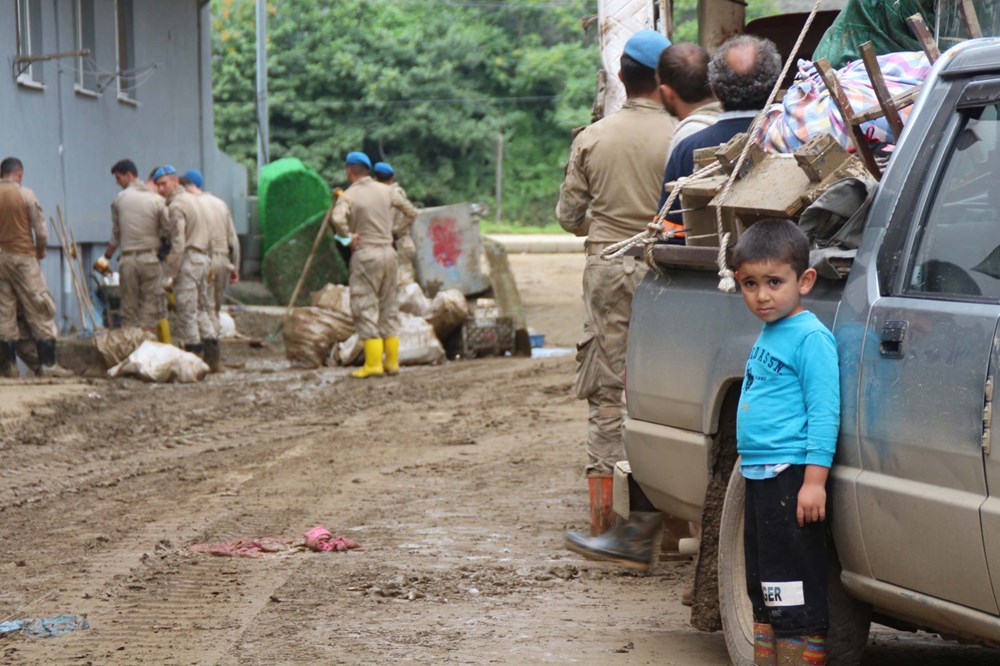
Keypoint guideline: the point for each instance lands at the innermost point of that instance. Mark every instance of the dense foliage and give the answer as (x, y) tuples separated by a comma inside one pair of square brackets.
[(427, 85), (424, 84)]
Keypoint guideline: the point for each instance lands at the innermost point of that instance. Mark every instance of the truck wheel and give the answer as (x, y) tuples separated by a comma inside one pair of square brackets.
[(849, 618)]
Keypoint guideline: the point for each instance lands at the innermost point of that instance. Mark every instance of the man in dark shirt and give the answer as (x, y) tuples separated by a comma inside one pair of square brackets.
[(741, 73)]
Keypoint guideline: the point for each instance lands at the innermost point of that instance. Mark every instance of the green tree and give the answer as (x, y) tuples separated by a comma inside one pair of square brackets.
[(426, 89)]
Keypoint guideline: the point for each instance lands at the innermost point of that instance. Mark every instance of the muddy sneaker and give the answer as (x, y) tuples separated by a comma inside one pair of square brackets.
[(628, 543), (56, 371)]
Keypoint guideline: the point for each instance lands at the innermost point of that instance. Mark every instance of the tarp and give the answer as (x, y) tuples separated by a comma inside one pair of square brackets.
[(881, 21), (283, 263), (290, 193)]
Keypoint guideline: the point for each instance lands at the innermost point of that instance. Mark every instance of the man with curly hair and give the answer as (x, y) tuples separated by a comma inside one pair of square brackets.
[(741, 73)]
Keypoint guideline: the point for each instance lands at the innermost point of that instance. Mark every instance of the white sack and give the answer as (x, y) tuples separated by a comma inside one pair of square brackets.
[(157, 362)]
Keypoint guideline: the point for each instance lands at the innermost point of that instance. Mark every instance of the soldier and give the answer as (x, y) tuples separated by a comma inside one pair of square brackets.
[(363, 214), (138, 228), (223, 241), (23, 237), (609, 194), (187, 267), (406, 251)]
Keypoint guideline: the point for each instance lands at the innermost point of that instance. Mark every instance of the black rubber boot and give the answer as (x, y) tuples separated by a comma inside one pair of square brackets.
[(213, 355), (629, 543), (47, 359), (8, 359), (197, 349)]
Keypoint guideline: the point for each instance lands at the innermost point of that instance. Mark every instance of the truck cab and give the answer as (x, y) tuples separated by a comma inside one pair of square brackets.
[(915, 487)]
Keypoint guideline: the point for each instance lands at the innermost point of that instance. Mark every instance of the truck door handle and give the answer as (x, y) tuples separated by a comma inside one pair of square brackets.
[(892, 341)]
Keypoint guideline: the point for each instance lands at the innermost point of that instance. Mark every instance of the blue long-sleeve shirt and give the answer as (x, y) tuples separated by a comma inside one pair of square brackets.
[(789, 409)]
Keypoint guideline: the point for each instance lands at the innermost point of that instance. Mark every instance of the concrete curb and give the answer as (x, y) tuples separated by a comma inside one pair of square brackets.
[(539, 243)]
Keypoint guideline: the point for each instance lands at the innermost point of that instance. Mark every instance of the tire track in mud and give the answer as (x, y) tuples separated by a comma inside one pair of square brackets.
[(330, 458)]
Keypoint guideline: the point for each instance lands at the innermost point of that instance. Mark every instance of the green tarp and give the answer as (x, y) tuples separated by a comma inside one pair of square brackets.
[(283, 263), (881, 21), (290, 193)]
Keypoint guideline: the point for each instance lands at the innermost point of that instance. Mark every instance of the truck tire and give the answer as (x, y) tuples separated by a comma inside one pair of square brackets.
[(850, 619)]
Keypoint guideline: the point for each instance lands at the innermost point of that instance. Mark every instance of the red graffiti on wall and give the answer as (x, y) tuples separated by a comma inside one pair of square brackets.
[(447, 244)]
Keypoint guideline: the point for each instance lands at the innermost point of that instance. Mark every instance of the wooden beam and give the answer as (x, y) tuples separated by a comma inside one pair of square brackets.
[(881, 91), (844, 106), (923, 35), (900, 101), (970, 19)]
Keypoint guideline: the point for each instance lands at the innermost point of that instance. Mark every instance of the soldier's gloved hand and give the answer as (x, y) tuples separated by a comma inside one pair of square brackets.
[(338, 192), (167, 284)]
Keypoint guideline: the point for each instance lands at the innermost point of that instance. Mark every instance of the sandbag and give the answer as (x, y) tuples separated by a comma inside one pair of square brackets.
[(157, 362), (311, 332), (448, 311), (336, 297), (227, 325), (413, 301), (349, 352), (418, 345), (115, 345)]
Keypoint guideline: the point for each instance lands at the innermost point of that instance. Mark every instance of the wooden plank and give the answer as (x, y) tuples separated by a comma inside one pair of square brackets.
[(881, 91), (900, 101), (970, 19), (844, 106), (923, 35)]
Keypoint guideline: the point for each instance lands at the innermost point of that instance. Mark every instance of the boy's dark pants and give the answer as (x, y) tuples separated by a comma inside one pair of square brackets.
[(789, 560)]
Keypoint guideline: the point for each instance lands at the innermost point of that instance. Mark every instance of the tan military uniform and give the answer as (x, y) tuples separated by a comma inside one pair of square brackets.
[(224, 247), (138, 227), (406, 250), (22, 234), (610, 192), (366, 210), (189, 264)]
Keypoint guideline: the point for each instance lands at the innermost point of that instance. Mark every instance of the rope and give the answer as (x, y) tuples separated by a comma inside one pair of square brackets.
[(727, 280), (654, 232)]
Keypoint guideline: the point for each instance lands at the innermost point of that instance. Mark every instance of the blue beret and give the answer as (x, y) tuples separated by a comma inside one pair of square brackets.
[(358, 158), (195, 177), (383, 169), (645, 47), (165, 170)]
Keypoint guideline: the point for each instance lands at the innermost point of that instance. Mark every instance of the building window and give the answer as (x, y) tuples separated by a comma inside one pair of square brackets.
[(124, 14), (84, 32), (29, 40)]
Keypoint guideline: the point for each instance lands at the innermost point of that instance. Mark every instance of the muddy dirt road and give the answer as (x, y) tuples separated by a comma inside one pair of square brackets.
[(457, 480)]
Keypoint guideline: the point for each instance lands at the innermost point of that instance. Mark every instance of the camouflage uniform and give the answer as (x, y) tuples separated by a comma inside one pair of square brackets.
[(138, 228), (189, 264), (225, 249), (609, 193), (21, 280), (406, 250), (365, 210)]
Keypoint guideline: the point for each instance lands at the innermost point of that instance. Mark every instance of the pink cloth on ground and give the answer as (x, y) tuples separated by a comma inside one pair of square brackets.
[(243, 547), (322, 540)]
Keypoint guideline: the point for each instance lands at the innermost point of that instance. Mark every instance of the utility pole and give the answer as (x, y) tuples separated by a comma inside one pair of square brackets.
[(262, 115), (499, 181)]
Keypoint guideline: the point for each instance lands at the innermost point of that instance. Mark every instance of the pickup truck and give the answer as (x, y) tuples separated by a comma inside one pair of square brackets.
[(915, 486)]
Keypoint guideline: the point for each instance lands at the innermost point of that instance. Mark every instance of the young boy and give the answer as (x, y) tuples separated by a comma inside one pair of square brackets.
[(786, 433)]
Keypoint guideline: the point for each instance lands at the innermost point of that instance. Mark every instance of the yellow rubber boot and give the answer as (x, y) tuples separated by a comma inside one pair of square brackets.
[(392, 355), (373, 360)]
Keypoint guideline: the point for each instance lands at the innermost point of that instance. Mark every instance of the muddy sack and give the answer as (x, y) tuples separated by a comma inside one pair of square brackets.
[(418, 345), (413, 301), (157, 362), (336, 297), (448, 311), (115, 345), (310, 333)]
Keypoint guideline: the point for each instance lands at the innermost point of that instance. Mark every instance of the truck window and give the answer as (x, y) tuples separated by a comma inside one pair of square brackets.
[(958, 250)]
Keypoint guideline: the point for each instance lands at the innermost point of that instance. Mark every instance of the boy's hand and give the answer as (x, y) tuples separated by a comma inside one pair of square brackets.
[(812, 496), (812, 504)]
